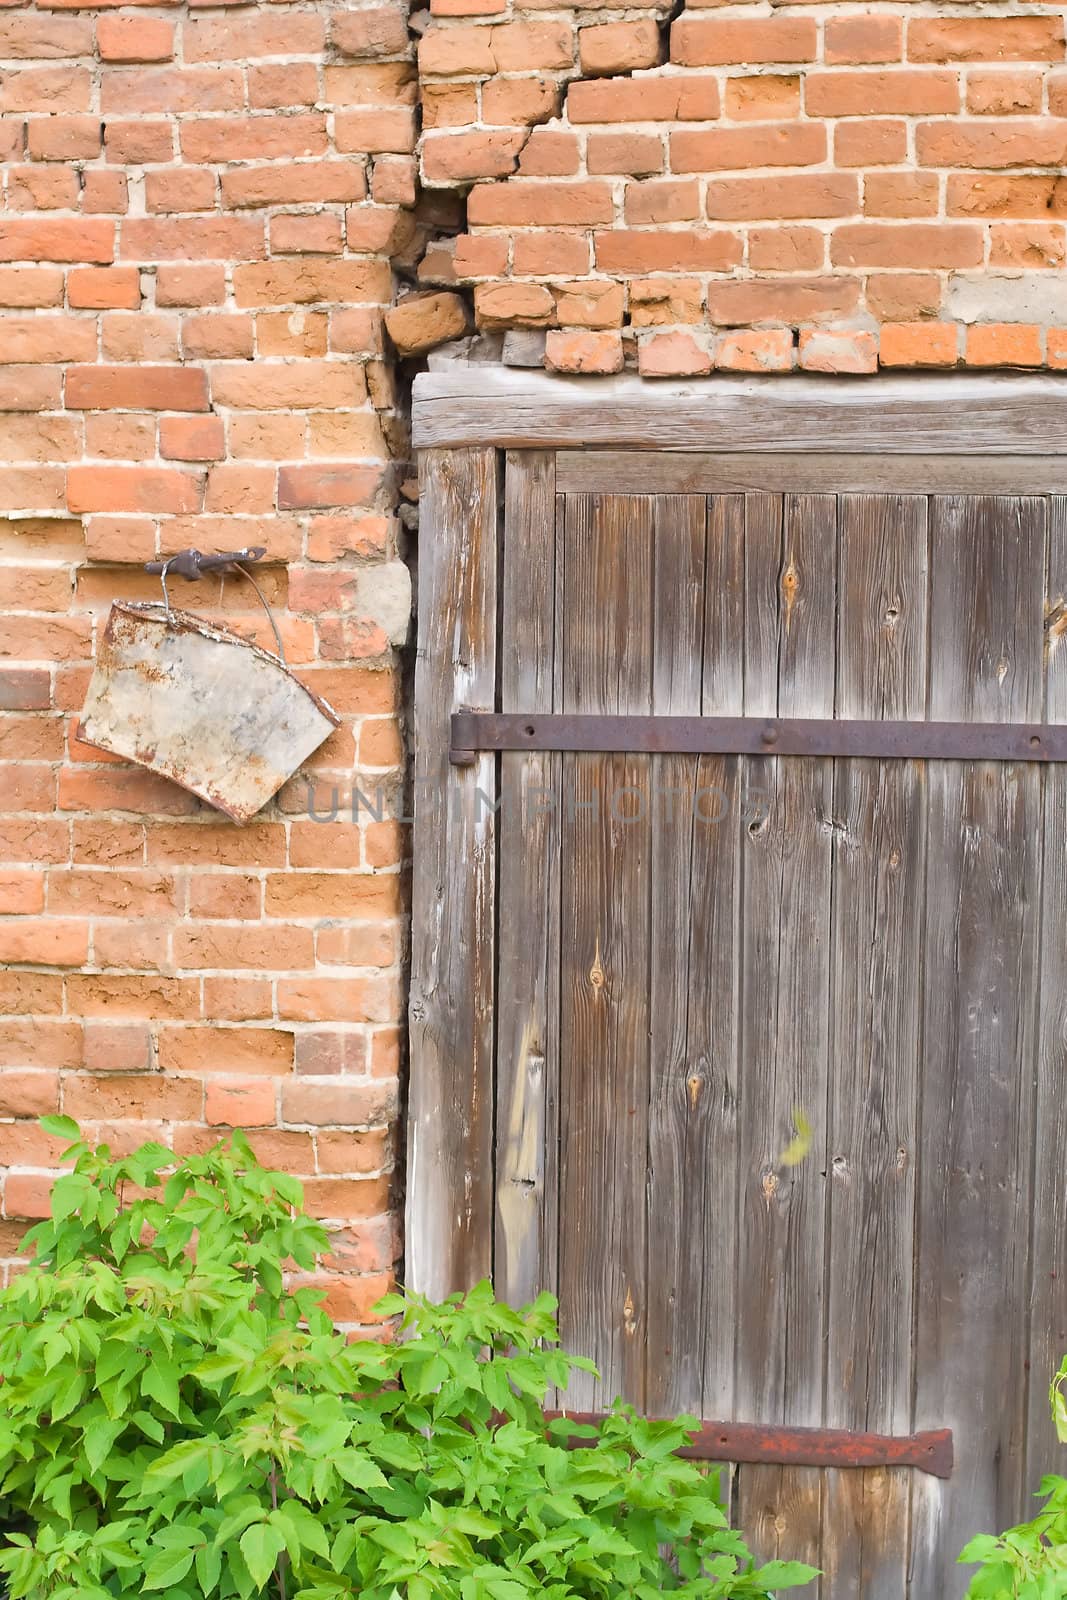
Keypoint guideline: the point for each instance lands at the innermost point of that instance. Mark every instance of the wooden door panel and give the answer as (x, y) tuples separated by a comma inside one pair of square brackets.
[(790, 585), (987, 593), (875, 945), (879, 834), (608, 641)]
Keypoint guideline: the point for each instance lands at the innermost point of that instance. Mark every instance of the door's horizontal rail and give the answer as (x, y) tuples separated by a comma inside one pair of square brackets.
[(808, 1447), (473, 731)]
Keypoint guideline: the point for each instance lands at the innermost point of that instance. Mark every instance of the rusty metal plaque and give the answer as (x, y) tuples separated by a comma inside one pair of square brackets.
[(203, 707)]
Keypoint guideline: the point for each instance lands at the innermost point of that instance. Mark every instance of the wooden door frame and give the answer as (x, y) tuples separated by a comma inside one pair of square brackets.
[(1000, 433)]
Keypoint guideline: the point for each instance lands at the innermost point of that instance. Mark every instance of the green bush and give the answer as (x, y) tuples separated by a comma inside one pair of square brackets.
[(173, 1419), (1028, 1562)]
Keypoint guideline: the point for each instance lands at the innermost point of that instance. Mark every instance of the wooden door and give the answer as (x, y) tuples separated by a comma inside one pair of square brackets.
[(698, 954)]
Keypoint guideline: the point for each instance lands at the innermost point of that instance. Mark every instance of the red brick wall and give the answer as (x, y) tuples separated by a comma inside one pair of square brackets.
[(197, 217), (206, 210), (756, 188)]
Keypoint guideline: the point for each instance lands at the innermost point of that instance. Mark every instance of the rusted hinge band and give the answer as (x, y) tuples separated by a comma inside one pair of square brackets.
[(809, 1447), (473, 731)]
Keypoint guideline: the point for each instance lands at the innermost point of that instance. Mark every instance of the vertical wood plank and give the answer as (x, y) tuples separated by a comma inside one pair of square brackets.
[(1048, 1296), (677, 1129), (878, 894), (789, 670), (607, 667), (987, 562), (449, 1221), (528, 932)]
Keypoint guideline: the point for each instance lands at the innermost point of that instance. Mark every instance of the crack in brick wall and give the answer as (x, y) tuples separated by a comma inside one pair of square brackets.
[(795, 184)]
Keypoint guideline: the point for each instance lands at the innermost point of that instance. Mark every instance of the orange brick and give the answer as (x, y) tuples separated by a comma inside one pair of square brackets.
[(57, 240), (617, 47), (104, 288), (518, 101), (715, 42), (670, 355), (763, 98), (1003, 345), (991, 195), (999, 93), (919, 344), (31, 287), (21, 893), (32, 1093), (786, 249), (454, 157), (661, 201), (863, 39), (786, 144), (901, 194), (513, 305), (917, 244), (364, 1104), (64, 139), (822, 350), (589, 303), (124, 1096), (545, 253), (798, 195), (549, 154), (243, 1103), (523, 202), (49, 942), (1039, 142), (986, 39), (134, 38), (1027, 245), (117, 1046), (1056, 348), (873, 143), (342, 999), (769, 351), (667, 250), (191, 438), (570, 351), (155, 489), (800, 300), (866, 93), (635, 153), (681, 98)]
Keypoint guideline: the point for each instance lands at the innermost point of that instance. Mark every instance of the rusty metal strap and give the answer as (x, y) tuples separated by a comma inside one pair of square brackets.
[(808, 1447), (473, 731)]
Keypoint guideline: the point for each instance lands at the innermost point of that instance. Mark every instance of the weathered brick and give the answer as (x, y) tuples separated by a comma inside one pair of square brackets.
[(615, 47), (714, 42), (137, 388)]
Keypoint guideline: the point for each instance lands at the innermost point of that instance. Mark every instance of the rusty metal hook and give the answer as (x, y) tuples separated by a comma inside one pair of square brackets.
[(192, 564)]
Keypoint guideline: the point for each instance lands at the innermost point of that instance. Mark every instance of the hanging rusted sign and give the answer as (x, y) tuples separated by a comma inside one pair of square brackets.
[(207, 709)]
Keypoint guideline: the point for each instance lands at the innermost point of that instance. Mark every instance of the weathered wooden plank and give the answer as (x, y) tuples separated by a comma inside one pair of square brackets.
[(607, 666), (957, 415), (773, 471), (528, 931), (449, 1225), (789, 669), (987, 566), (878, 895), (677, 1153), (1048, 1295)]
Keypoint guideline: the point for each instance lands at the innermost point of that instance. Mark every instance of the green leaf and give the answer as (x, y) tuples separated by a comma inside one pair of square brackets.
[(160, 1382), (786, 1574), (167, 1567), (261, 1545), (99, 1437), (61, 1128)]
